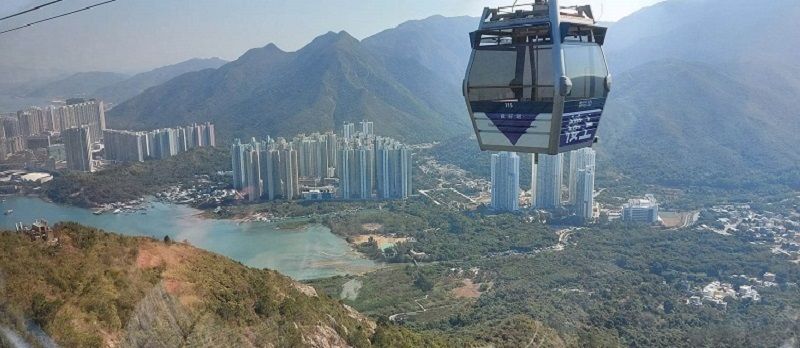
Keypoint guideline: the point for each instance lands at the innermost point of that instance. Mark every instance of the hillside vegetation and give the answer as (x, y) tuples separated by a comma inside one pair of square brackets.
[(605, 286), (96, 289)]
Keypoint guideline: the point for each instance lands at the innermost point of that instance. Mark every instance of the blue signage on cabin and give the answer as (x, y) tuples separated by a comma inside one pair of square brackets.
[(513, 126), (513, 119), (579, 127)]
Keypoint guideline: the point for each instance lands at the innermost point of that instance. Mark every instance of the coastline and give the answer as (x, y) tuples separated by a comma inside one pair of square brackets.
[(248, 214), (307, 250)]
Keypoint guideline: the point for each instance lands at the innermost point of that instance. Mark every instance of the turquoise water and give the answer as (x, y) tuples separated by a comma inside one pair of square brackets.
[(308, 253)]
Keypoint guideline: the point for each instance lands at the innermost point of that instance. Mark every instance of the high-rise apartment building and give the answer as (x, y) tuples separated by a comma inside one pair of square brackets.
[(165, 143), (81, 112), (290, 173), (30, 122), (584, 194), (78, 146), (331, 147), (548, 182), (271, 172), (356, 171), (125, 146), (252, 170), (348, 130), (247, 163), (367, 128), (393, 169), (579, 160), (505, 181), (10, 125), (237, 164)]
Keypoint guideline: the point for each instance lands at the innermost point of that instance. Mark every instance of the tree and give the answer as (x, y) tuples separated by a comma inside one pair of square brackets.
[(422, 283)]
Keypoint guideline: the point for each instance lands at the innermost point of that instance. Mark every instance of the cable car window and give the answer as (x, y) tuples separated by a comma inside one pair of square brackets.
[(580, 34), (543, 71), (494, 74), (585, 66)]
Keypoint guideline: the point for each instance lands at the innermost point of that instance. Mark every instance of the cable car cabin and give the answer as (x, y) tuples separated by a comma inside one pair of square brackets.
[(532, 89)]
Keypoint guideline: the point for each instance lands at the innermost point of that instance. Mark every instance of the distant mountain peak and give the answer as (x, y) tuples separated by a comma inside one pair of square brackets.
[(335, 77), (333, 38), (272, 47), (259, 54)]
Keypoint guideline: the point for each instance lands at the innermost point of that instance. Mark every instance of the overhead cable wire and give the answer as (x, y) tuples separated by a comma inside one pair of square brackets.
[(55, 17), (30, 10)]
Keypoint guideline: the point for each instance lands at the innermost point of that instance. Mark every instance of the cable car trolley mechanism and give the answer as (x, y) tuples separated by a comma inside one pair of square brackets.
[(533, 89)]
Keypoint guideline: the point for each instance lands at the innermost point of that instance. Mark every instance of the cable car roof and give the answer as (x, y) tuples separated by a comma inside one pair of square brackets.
[(510, 20), (525, 15)]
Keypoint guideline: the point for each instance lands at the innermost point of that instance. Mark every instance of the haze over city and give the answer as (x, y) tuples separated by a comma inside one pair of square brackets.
[(145, 34), (370, 174)]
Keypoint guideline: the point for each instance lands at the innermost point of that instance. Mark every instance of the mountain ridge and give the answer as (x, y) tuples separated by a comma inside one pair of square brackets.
[(407, 79), (82, 84), (333, 79), (138, 83)]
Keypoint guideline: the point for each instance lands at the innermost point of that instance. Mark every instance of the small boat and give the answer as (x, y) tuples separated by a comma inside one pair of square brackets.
[(117, 211), (8, 212), (97, 212)]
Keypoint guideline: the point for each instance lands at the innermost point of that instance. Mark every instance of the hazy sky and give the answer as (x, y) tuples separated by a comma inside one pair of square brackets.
[(136, 35)]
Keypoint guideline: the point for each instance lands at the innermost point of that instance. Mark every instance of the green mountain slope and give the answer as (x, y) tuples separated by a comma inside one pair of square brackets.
[(96, 289), (731, 35), (703, 94), (267, 91), (135, 85), (440, 44)]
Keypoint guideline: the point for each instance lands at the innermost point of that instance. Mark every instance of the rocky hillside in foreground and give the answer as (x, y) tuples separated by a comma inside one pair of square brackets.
[(97, 289)]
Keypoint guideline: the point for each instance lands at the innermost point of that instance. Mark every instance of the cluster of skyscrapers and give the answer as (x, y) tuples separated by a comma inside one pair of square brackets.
[(128, 146), (547, 182), (34, 127), (356, 165)]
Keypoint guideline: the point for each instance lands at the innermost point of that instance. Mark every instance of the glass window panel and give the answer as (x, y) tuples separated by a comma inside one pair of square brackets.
[(493, 68), (585, 66), (543, 73), (500, 75)]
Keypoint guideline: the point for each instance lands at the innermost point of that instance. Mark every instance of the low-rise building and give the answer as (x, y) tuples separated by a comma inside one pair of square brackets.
[(641, 210)]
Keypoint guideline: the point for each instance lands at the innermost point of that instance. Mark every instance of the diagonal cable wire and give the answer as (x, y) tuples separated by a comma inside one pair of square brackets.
[(30, 10), (58, 16)]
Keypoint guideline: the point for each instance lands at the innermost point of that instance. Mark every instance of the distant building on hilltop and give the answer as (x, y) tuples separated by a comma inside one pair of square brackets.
[(641, 210), (505, 181)]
